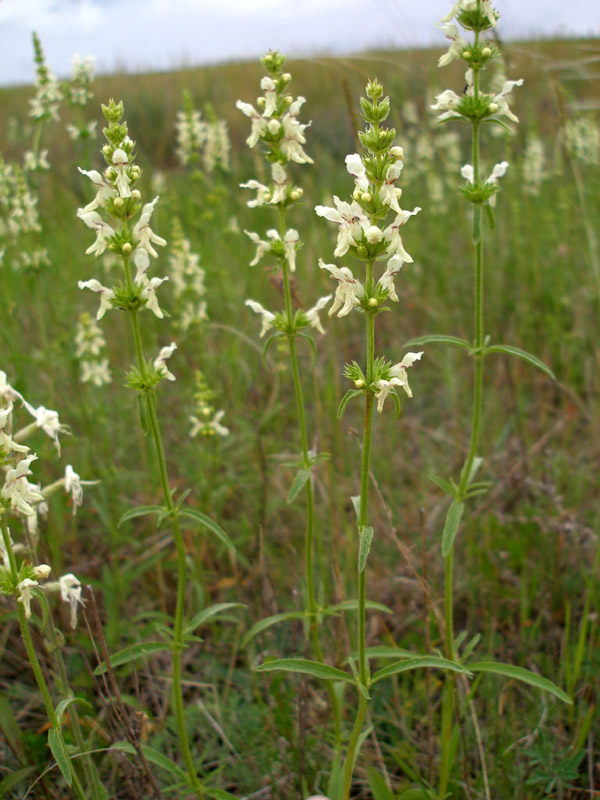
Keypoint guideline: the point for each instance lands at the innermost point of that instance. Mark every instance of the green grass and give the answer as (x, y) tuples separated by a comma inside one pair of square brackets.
[(524, 561)]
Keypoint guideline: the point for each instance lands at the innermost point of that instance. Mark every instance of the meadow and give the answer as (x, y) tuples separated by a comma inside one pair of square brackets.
[(523, 547)]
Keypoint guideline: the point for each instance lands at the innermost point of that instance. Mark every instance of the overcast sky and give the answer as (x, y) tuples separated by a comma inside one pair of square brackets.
[(160, 34)]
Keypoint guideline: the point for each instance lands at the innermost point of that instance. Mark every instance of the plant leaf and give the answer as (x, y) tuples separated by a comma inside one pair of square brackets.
[(268, 344), (143, 415), (218, 794), (208, 613), (345, 400), (64, 704), (416, 663), (384, 651), (267, 622), (298, 483), (378, 786), (209, 523), (366, 537), (139, 511), (313, 347), (444, 485), (356, 503), (521, 674), (523, 354), (438, 338), (155, 757), (302, 665), (352, 605), (132, 654), (451, 526), (60, 754)]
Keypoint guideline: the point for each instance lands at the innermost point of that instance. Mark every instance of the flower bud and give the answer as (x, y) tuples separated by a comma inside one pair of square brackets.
[(486, 52), (372, 302), (357, 194), (361, 251), (274, 126), (268, 197), (366, 197), (42, 571), (360, 384), (373, 235), (136, 194), (295, 194), (261, 102), (493, 107), (397, 152), (106, 149), (286, 77), (119, 203), (126, 249), (135, 173)]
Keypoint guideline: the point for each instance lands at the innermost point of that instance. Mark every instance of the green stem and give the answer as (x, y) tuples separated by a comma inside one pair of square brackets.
[(33, 660), (363, 665), (180, 550), (310, 511)]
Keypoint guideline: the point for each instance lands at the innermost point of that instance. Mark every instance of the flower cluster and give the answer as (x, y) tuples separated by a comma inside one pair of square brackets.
[(198, 140), (533, 165), (89, 344), (206, 421), (18, 206), (120, 201), (364, 234), (187, 279), (582, 136), (281, 136), (48, 94), (77, 92), (474, 105), (23, 499)]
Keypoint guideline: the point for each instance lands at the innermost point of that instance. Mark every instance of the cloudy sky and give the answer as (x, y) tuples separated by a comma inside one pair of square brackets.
[(160, 34)]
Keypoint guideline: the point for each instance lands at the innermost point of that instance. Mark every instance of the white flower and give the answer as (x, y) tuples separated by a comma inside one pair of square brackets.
[(70, 592), (73, 487), (500, 101), (279, 178), (293, 139), (104, 190), (145, 238), (269, 87), (26, 595), (471, 5), (160, 362), (312, 315), (499, 171), (351, 220), (103, 230), (456, 48), (447, 102), (262, 246), (30, 162), (106, 295), (262, 193), (386, 281), (96, 372), (289, 246), (259, 123), (398, 377), (389, 194), (149, 293), (356, 168), (267, 316), (48, 420), (392, 234), (209, 427), (42, 571), (120, 159), (17, 490), (348, 292), (7, 393)]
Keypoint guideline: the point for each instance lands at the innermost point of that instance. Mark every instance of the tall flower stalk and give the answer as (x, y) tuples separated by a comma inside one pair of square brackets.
[(363, 233), (277, 128), (133, 243), (478, 108)]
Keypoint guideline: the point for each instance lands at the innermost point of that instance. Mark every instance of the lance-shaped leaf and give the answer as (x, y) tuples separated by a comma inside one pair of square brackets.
[(521, 674), (451, 526), (206, 614), (522, 354), (366, 537), (132, 654), (298, 483), (267, 622), (140, 511), (64, 704), (438, 338), (352, 605), (209, 523), (313, 348), (444, 485), (346, 399), (418, 662), (155, 757), (57, 747), (218, 794), (306, 667)]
